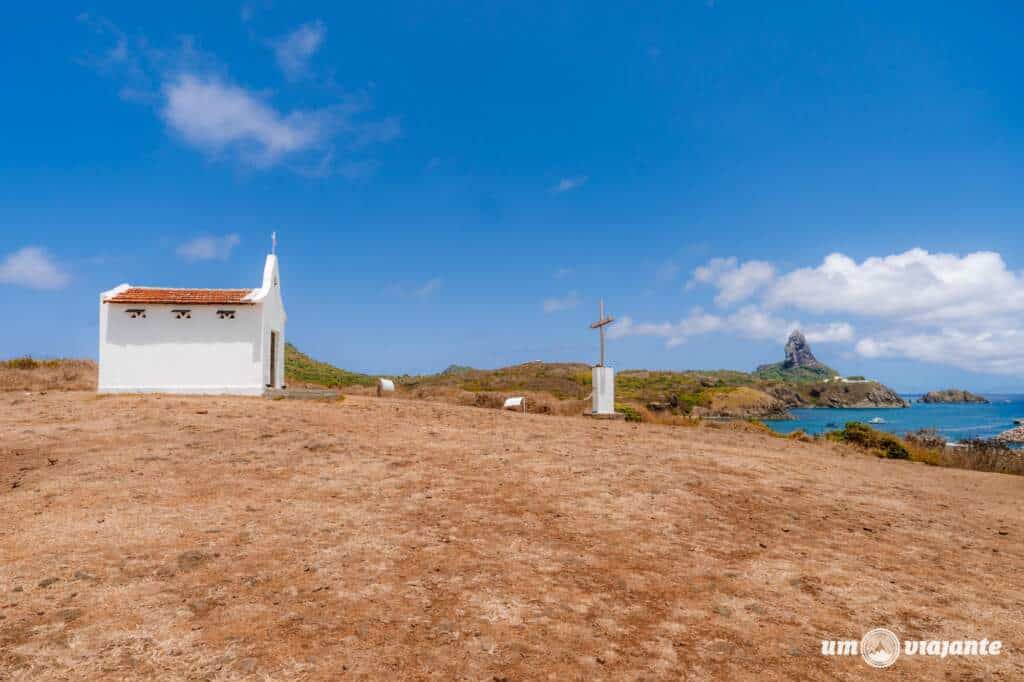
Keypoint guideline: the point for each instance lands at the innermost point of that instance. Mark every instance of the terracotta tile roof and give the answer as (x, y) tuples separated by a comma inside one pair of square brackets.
[(182, 296)]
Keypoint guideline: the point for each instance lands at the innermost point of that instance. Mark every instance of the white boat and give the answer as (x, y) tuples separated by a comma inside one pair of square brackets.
[(877, 420)]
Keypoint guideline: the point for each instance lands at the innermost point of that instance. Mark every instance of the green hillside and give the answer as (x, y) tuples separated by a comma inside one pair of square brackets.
[(302, 370)]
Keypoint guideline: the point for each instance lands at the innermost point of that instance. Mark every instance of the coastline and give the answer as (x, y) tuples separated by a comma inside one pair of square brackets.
[(956, 422)]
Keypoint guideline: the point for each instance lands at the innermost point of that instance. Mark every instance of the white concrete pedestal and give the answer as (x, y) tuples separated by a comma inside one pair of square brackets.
[(604, 390)]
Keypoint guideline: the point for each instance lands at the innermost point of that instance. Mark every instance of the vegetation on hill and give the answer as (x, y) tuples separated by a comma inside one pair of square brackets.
[(696, 393), (717, 393), (801, 375), (565, 381), (879, 442), (302, 370)]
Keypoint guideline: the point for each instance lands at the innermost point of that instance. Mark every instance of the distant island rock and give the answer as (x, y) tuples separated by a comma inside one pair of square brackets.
[(801, 380), (952, 395)]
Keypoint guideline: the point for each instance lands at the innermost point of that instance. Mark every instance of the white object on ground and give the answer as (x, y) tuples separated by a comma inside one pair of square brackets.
[(517, 403), (385, 387)]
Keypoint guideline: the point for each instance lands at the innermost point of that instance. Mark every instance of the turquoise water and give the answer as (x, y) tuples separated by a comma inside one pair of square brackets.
[(955, 422)]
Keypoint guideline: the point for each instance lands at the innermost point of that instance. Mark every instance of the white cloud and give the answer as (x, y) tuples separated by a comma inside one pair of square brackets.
[(951, 309), (214, 116), (999, 351), (961, 311), (698, 322), (750, 322), (735, 282), (294, 50), (753, 322), (192, 93), (568, 184), (34, 268), (915, 286), (567, 302), (834, 332), (209, 248)]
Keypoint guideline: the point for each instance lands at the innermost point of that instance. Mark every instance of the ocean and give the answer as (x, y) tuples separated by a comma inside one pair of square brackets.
[(955, 422)]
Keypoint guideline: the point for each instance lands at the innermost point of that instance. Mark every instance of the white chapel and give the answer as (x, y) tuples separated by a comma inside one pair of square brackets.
[(227, 341)]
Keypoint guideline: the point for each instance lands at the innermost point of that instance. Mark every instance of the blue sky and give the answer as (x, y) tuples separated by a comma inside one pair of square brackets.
[(454, 183)]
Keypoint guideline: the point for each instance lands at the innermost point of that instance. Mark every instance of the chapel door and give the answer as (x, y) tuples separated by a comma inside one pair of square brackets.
[(273, 360)]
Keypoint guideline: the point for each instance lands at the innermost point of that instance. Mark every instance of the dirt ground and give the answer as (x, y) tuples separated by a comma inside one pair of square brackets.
[(223, 538)]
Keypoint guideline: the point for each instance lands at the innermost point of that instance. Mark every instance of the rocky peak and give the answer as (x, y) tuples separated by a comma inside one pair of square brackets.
[(798, 352)]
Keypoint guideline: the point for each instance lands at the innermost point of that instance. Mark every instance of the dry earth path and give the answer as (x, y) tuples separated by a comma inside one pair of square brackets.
[(222, 538)]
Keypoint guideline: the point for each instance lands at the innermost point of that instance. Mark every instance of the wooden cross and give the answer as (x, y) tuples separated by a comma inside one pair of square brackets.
[(601, 323)]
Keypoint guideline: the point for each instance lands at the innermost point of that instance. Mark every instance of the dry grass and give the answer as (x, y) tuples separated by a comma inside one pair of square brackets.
[(982, 455), (928, 446), (227, 538), (649, 416), (29, 374)]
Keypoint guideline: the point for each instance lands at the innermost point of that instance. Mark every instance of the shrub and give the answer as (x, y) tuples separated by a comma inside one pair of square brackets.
[(26, 362), (649, 416), (494, 401), (863, 436), (632, 414), (687, 401), (930, 447)]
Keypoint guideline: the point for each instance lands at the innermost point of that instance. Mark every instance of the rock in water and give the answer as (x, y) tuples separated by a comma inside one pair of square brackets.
[(952, 395), (1014, 435), (798, 352)]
